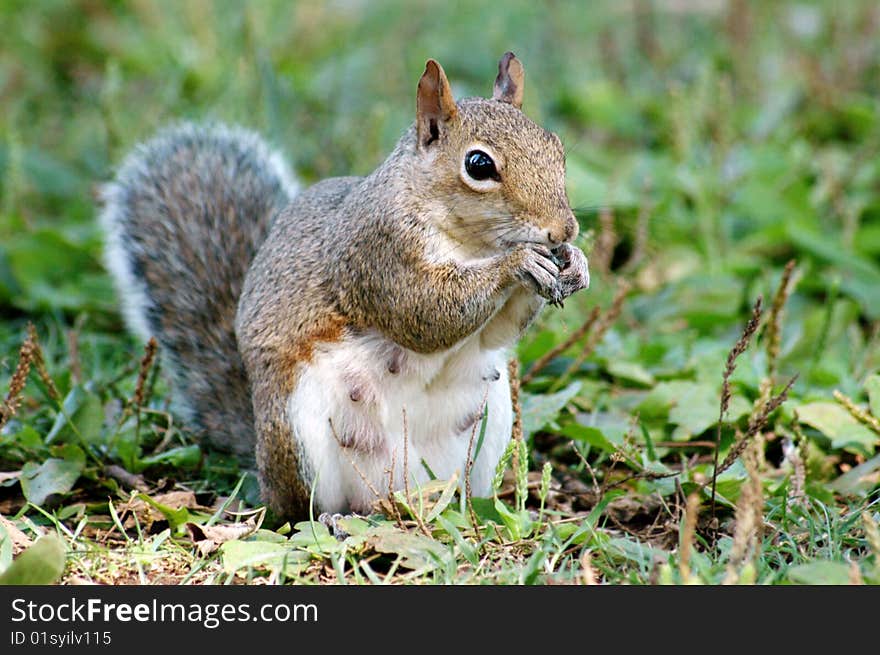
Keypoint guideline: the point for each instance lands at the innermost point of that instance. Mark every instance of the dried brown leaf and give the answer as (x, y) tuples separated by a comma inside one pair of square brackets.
[(207, 538), (146, 514), (20, 541)]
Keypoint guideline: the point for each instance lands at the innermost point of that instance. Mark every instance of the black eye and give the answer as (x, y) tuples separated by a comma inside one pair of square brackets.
[(480, 166)]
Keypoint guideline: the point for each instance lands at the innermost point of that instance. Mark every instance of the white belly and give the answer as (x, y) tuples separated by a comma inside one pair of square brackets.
[(362, 387)]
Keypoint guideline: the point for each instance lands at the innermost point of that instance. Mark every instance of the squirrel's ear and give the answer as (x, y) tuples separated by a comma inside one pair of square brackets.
[(435, 104), (509, 83)]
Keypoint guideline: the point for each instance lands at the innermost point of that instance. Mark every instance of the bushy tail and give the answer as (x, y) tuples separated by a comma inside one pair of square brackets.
[(183, 220)]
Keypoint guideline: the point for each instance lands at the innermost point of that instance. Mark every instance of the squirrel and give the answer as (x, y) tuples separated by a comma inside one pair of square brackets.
[(350, 337)]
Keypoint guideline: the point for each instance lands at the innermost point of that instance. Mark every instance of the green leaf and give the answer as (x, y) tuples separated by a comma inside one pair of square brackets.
[(68, 451), (706, 300), (590, 435), (696, 410), (26, 437), (649, 443), (9, 287), (859, 479), (84, 412), (187, 457), (238, 555), (539, 409), (176, 517), (314, 537), (518, 523), (634, 550), (531, 349), (41, 564), (533, 567), (485, 510), (416, 551), (354, 525), (53, 476), (69, 407), (837, 424), (872, 387), (5, 548), (56, 272), (467, 549), (820, 572), (630, 371), (445, 498), (658, 401), (483, 423), (861, 276)]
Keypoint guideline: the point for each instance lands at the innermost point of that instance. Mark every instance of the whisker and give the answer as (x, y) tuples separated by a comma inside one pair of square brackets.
[(497, 225), (498, 237)]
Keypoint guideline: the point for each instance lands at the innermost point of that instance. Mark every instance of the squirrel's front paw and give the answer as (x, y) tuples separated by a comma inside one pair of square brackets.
[(537, 269), (574, 273)]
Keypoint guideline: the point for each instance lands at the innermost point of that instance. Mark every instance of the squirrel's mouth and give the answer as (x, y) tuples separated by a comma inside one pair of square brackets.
[(526, 230), (508, 244), (530, 237)]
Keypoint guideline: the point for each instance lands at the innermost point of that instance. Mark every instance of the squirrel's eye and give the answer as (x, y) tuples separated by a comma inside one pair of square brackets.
[(480, 166)]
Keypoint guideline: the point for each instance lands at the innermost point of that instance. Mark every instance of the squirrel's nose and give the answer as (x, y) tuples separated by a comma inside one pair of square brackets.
[(564, 233)]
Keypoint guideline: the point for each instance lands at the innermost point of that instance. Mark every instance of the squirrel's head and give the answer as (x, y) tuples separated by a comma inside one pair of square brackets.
[(499, 177)]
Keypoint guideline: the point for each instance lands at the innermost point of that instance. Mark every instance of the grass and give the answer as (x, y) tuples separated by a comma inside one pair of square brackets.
[(709, 145)]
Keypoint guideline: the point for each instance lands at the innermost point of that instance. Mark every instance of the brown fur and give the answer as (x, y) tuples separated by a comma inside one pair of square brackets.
[(291, 354), (354, 248), (242, 281)]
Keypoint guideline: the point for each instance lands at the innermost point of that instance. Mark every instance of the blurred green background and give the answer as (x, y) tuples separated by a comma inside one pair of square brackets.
[(749, 130)]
